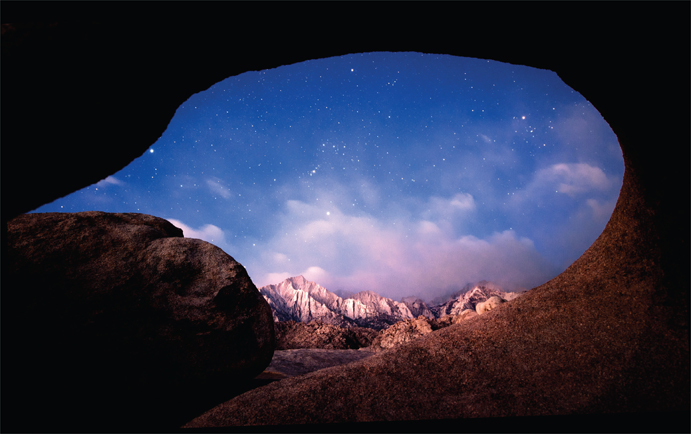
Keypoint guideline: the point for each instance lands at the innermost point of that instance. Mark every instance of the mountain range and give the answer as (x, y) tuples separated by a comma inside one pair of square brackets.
[(299, 299)]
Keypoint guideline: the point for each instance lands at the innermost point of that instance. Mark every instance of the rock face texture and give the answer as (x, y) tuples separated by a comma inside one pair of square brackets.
[(448, 320), (402, 332), (408, 330), (298, 299), (469, 297), (125, 319), (489, 304), (417, 307), (317, 334)]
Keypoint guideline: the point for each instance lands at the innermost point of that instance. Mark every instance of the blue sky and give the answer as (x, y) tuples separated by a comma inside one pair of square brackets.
[(401, 173)]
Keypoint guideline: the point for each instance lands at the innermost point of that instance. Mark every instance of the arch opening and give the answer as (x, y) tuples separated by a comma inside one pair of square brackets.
[(381, 170)]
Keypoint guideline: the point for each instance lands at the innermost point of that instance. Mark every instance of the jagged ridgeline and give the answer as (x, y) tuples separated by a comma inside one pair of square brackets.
[(298, 299)]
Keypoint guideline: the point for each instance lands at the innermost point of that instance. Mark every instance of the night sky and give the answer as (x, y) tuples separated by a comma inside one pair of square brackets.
[(401, 173)]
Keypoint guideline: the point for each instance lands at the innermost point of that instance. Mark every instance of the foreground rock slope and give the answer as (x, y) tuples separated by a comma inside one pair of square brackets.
[(125, 323), (602, 337)]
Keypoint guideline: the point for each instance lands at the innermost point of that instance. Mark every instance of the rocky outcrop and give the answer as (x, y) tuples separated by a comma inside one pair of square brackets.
[(317, 334), (126, 320), (299, 299), (470, 296), (405, 331), (466, 314), (447, 320), (489, 304), (401, 332)]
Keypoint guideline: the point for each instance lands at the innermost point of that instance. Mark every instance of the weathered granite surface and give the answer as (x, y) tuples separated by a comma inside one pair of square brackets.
[(126, 319)]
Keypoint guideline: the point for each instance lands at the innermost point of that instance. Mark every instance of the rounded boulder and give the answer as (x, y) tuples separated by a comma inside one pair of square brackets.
[(117, 321)]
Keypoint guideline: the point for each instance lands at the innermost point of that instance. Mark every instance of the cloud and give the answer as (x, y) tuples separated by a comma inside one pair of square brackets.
[(216, 187), (577, 178), (272, 278), (576, 233), (315, 274), (586, 137), (210, 233), (572, 179), (601, 212), (394, 257), (448, 213), (485, 138), (110, 180)]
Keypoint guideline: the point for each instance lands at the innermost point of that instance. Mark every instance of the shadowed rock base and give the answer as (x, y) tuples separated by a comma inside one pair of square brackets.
[(620, 422), (125, 324)]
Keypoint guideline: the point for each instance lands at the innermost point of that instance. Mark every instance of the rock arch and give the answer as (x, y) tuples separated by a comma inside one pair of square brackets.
[(76, 109)]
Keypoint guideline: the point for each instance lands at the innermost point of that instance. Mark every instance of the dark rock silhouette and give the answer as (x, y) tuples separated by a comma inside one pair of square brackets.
[(127, 319), (317, 334), (112, 88)]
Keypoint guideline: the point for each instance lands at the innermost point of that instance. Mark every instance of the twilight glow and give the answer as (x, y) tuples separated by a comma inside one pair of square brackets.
[(400, 173)]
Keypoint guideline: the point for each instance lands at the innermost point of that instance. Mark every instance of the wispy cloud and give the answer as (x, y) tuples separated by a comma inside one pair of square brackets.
[(210, 233), (572, 179), (216, 186), (392, 257), (601, 211), (111, 180)]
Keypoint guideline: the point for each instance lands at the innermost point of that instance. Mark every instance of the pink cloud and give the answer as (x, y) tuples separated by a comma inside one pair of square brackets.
[(394, 258)]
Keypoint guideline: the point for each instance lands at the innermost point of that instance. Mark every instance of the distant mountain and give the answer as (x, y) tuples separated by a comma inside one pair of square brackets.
[(469, 296), (417, 307), (381, 312), (298, 299)]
